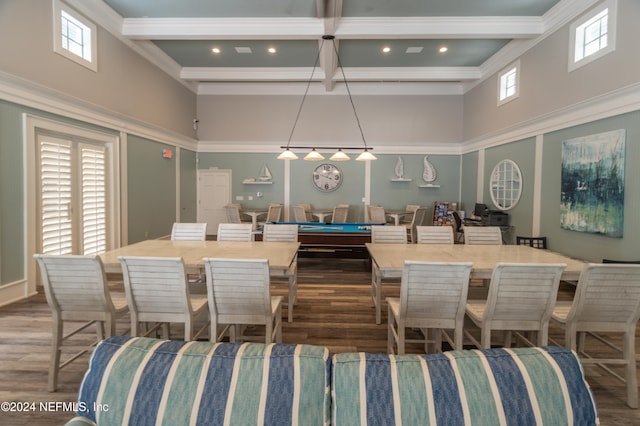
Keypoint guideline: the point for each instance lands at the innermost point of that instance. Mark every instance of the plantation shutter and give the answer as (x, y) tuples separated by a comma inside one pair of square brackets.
[(56, 197), (94, 199)]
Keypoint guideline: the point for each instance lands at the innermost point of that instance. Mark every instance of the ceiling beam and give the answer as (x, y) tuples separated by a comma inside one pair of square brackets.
[(310, 28)]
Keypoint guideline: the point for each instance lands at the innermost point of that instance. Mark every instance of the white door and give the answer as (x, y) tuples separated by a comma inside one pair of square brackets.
[(72, 196), (214, 192)]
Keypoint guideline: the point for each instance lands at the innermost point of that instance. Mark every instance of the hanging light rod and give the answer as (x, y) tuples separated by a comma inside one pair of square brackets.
[(359, 148), (287, 154)]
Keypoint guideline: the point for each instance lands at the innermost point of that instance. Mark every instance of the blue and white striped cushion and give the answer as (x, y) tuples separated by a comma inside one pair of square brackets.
[(140, 380), (520, 386)]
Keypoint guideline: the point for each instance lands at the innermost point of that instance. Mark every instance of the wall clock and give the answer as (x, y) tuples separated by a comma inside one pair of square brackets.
[(327, 177)]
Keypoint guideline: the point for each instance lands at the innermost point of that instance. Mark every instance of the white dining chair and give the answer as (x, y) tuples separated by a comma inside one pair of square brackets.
[(435, 235), (491, 235), (340, 213), (235, 232), (417, 220), (299, 214), (376, 214), (157, 291), (76, 290), (273, 214), (606, 302), (239, 294), (285, 233), (189, 231), (384, 234), (233, 214), (432, 299), (521, 298)]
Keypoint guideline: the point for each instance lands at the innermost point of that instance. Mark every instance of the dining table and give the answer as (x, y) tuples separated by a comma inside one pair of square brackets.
[(390, 258), (397, 215), (321, 214), (254, 214), (281, 255)]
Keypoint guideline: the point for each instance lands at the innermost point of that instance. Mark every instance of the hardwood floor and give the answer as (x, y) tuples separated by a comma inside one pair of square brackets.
[(334, 309)]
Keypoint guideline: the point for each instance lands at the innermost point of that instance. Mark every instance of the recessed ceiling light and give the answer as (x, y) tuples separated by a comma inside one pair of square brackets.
[(416, 49), (215, 50), (386, 49), (243, 50), (272, 50), (443, 49)]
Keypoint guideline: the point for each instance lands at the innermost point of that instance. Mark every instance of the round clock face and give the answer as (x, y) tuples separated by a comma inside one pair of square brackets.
[(327, 177)]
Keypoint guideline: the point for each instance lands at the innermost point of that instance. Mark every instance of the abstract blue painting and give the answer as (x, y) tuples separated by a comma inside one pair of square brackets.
[(592, 194)]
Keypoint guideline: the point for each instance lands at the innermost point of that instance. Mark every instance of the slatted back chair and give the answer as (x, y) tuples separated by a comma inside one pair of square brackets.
[(386, 234), (607, 300), (340, 213), (235, 232), (273, 213), (299, 214), (490, 235), (189, 232), (158, 292), (238, 291), (418, 218), (389, 234), (521, 298), (377, 214), (410, 208), (76, 290), (288, 233), (233, 213), (432, 297), (435, 235)]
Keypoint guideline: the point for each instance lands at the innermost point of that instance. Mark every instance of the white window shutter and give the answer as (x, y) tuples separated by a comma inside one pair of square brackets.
[(56, 197), (94, 199)]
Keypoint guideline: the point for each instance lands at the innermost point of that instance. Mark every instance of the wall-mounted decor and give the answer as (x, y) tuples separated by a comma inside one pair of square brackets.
[(429, 174), (399, 171), (592, 192), (506, 184)]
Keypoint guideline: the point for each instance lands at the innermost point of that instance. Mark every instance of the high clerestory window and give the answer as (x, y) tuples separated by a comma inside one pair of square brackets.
[(509, 83), (75, 37), (594, 35)]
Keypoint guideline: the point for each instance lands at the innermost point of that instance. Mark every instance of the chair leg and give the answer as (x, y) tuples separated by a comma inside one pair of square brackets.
[(628, 349), (390, 332), (56, 344), (485, 338)]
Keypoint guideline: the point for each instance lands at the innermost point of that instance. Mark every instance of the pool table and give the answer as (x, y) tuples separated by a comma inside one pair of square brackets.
[(332, 239)]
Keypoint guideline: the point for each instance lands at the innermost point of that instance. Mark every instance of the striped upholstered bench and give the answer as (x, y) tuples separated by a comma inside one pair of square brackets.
[(144, 381), (520, 386)]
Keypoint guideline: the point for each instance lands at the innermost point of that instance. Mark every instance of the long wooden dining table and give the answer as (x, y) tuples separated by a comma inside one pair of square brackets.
[(281, 255), (390, 258)]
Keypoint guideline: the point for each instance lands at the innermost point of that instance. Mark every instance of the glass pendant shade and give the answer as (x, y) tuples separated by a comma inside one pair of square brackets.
[(340, 156), (366, 155), (287, 155), (314, 156)]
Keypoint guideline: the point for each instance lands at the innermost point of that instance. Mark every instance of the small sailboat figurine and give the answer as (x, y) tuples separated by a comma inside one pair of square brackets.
[(429, 174), (399, 168), (265, 174)]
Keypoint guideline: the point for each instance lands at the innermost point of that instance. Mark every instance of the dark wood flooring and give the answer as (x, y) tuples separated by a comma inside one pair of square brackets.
[(334, 309)]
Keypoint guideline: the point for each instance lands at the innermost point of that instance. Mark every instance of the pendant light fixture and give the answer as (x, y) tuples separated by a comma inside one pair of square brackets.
[(339, 155)]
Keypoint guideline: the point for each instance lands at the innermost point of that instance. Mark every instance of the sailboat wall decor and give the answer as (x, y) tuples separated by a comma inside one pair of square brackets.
[(264, 177), (399, 171), (429, 174)]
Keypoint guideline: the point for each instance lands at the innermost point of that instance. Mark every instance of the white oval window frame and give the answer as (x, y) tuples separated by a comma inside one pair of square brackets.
[(505, 184)]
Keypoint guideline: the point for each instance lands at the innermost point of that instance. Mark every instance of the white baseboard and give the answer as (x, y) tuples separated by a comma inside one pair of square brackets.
[(13, 292)]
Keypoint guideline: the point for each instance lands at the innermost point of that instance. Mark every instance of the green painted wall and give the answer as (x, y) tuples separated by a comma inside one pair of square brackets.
[(151, 189), (188, 186), (523, 153), (396, 195), (12, 214), (392, 195), (584, 245)]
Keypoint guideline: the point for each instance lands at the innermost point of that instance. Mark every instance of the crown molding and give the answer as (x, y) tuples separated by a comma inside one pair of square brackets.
[(275, 148), (32, 95), (621, 101), (356, 88)]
